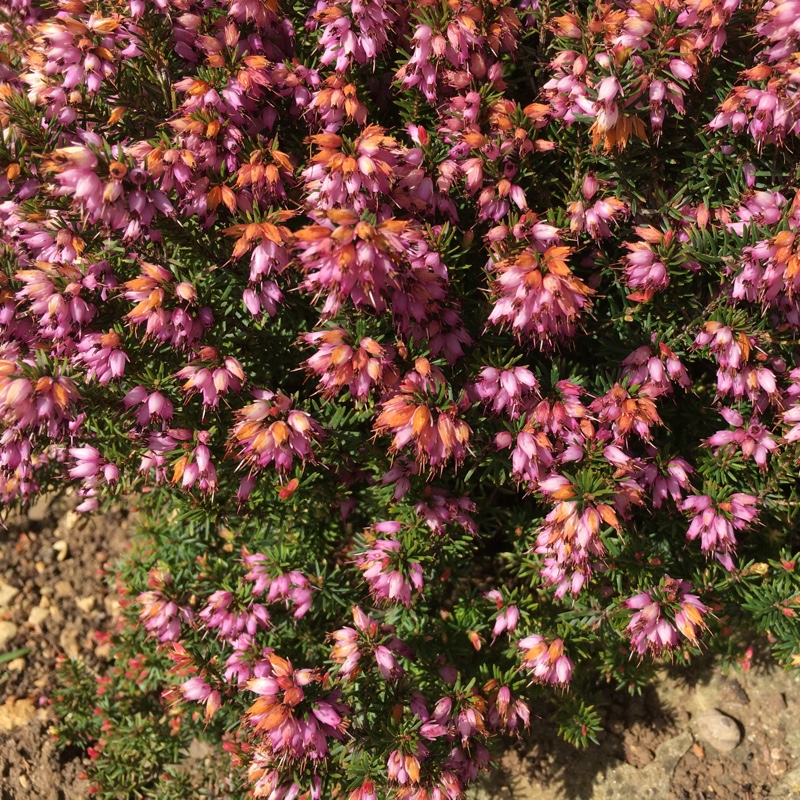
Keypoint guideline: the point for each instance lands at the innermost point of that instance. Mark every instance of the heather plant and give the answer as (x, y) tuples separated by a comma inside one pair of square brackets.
[(447, 350)]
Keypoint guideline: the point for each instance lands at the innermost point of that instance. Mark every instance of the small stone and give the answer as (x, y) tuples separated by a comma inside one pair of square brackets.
[(56, 615), (44, 601), (38, 615), (7, 594), (719, 730), (62, 549), (68, 642), (16, 665), (15, 714), (778, 767), (64, 589), (103, 650), (86, 604), (8, 630), (23, 782), (68, 522), (112, 605), (40, 567)]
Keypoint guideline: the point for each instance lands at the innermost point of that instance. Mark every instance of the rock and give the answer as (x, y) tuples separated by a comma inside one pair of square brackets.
[(8, 630), (62, 549), (67, 523), (112, 605), (68, 642), (16, 713), (16, 665), (38, 615), (103, 650), (86, 604), (64, 589), (719, 730), (7, 594)]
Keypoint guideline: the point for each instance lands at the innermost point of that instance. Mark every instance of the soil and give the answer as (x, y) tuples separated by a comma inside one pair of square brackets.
[(656, 745), (54, 601)]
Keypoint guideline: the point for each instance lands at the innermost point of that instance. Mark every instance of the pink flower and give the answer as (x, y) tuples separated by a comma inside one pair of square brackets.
[(211, 376), (538, 296), (230, 619), (547, 662), (258, 441), (389, 576), (715, 523), (650, 630), (506, 389), (387, 663), (628, 411), (643, 270), (287, 587), (296, 726), (102, 357), (162, 616), (754, 440), (507, 713), (151, 406), (198, 690), (570, 539), (506, 620), (413, 416), (358, 368)]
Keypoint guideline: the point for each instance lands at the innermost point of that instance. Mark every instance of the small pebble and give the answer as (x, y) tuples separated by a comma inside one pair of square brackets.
[(38, 615), (719, 730), (64, 589), (7, 594), (8, 630), (86, 604), (61, 548), (16, 665)]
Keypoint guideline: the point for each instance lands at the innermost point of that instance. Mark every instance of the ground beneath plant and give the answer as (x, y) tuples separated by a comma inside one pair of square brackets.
[(697, 734), (54, 601)]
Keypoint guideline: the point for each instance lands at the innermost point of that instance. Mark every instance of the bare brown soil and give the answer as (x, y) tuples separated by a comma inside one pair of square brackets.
[(56, 561)]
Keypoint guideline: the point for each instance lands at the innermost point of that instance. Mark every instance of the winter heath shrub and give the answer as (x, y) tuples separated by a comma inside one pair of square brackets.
[(447, 348)]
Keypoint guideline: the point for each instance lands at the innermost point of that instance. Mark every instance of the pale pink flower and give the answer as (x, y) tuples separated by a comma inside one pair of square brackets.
[(661, 613), (547, 663)]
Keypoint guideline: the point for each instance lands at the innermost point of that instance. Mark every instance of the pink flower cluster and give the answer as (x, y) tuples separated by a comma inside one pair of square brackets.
[(661, 613), (389, 575), (715, 523), (546, 662), (293, 726)]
